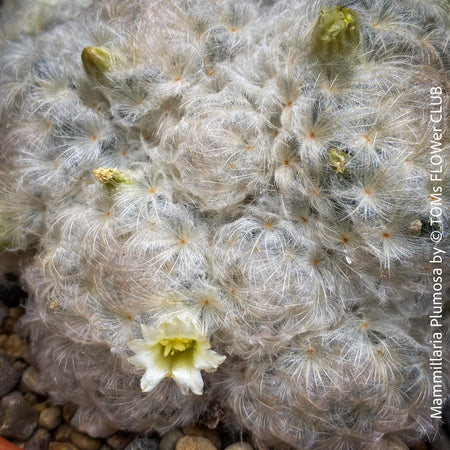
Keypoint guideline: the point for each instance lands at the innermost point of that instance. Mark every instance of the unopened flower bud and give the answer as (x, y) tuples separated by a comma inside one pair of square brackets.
[(335, 34), (337, 159), (110, 177), (98, 60)]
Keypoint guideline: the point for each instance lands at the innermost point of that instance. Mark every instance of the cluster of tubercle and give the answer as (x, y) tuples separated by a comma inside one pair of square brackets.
[(228, 203)]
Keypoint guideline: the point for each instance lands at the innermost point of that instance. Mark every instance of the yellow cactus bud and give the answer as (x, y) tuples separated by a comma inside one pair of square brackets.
[(335, 34), (98, 60), (337, 159), (415, 227), (110, 177)]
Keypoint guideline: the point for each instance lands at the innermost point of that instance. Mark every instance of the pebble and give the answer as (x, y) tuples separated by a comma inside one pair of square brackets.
[(119, 441), (16, 312), (39, 441), (9, 324), (27, 356), (9, 376), (4, 312), (12, 294), (39, 407), (68, 411), (20, 365), (239, 446), (230, 437), (212, 435), (143, 444), (84, 442), (194, 443), (30, 380), (420, 446), (30, 397), (63, 433), (62, 446), (169, 440), (18, 419), (50, 418), (14, 346)]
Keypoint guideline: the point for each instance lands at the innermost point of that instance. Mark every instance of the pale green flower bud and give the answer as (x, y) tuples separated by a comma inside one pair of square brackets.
[(111, 177), (337, 159), (98, 60), (335, 34)]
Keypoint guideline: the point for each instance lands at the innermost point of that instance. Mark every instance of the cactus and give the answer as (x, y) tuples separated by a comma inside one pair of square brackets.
[(229, 202)]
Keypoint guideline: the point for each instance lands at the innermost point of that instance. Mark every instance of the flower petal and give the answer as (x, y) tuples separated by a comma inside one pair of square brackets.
[(152, 376), (208, 360), (151, 335), (187, 377), (142, 359), (180, 328)]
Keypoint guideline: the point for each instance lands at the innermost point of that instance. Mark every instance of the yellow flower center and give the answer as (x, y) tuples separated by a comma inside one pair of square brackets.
[(176, 345)]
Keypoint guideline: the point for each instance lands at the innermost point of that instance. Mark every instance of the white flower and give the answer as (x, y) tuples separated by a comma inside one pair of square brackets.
[(177, 349)]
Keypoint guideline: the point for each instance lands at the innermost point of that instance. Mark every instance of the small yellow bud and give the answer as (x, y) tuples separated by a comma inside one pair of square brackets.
[(415, 227), (110, 177), (98, 60), (53, 304), (335, 34), (337, 159)]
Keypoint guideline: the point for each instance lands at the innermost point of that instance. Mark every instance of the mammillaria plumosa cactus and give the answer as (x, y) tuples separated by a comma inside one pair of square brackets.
[(229, 202)]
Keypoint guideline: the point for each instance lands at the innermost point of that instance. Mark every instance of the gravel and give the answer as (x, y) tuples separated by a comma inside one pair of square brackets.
[(9, 376)]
